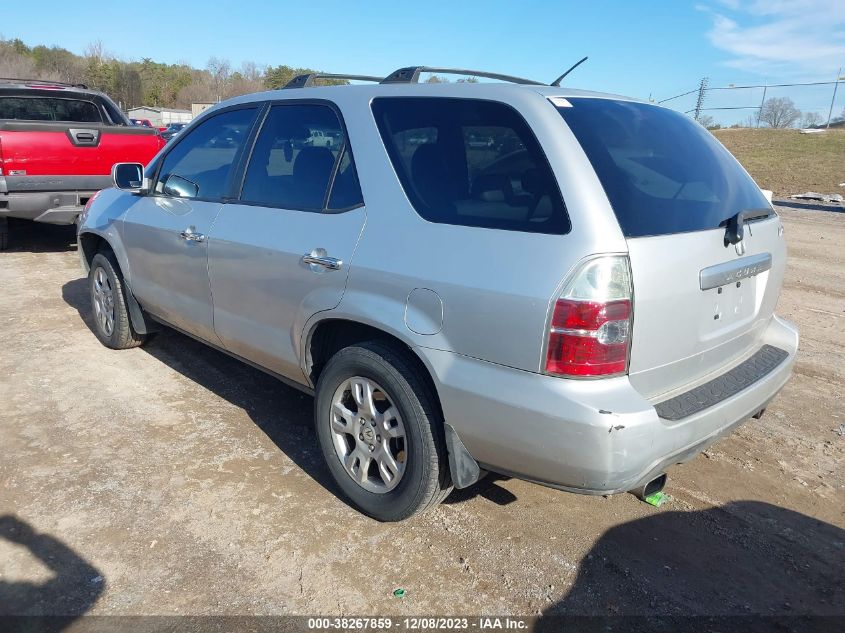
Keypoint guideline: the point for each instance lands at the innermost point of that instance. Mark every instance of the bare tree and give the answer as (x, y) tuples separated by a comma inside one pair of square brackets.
[(220, 70), (779, 112), (13, 64), (706, 120), (96, 51), (753, 120), (811, 119), (251, 71), (195, 92)]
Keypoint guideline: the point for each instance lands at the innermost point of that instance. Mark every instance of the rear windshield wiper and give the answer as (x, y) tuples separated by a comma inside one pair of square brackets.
[(735, 230)]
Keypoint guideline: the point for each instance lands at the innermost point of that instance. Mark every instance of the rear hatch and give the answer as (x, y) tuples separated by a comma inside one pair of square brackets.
[(702, 296)]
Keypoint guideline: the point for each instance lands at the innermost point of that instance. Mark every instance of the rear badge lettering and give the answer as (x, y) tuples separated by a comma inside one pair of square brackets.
[(730, 272)]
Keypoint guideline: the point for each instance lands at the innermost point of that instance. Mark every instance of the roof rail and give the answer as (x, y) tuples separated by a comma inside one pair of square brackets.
[(45, 82), (411, 75), (306, 80)]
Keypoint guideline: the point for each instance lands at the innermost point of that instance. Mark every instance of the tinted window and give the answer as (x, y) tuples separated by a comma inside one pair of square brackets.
[(662, 172), (346, 191), (49, 109), (294, 160), (200, 165), (470, 162)]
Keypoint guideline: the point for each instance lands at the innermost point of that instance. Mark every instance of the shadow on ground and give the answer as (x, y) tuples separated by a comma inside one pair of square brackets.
[(73, 589), (743, 559), (35, 237), (283, 413)]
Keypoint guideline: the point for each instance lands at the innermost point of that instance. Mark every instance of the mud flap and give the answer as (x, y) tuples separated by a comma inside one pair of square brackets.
[(465, 470), (140, 323)]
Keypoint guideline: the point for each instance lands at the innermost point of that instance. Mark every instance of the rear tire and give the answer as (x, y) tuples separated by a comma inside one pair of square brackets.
[(380, 432), (108, 304)]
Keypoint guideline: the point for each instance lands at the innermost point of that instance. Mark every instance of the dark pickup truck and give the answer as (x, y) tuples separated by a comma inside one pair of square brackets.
[(58, 143)]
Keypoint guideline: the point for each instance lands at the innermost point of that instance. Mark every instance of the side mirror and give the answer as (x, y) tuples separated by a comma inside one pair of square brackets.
[(129, 177)]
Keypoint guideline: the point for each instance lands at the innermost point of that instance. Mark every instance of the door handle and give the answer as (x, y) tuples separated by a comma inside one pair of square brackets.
[(190, 235), (318, 257)]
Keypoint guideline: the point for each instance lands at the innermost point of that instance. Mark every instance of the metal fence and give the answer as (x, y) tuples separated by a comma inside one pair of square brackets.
[(820, 102)]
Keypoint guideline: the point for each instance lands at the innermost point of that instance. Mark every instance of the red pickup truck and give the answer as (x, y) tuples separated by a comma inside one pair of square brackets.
[(58, 143)]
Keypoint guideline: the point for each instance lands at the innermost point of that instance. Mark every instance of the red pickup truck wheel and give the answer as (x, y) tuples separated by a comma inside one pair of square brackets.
[(4, 234)]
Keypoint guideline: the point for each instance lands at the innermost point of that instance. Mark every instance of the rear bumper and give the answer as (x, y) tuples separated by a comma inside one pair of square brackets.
[(592, 437), (50, 199), (52, 207)]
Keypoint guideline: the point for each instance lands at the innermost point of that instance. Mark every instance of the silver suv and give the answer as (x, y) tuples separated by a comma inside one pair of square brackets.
[(582, 300)]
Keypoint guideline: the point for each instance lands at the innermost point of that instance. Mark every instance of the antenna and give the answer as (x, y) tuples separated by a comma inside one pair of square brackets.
[(557, 81)]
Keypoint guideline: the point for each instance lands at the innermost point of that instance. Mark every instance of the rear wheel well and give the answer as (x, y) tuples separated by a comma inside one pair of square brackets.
[(332, 335)]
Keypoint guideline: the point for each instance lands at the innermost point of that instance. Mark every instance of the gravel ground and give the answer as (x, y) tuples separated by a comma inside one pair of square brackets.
[(172, 479)]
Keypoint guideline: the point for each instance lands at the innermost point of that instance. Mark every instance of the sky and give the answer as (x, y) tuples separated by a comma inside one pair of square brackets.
[(642, 48)]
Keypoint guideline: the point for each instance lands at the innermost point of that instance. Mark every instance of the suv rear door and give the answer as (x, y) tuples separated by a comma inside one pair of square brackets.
[(701, 302), (299, 203)]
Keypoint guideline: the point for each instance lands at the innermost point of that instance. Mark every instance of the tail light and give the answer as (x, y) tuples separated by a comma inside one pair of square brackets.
[(590, 327)]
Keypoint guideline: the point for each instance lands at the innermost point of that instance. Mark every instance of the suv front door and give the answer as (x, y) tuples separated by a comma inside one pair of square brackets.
[(166, 232), (282, 252)]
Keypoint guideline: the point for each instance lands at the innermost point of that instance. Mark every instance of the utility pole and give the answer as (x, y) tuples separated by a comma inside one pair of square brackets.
[(762, 103), (833, 98), (702, 88)]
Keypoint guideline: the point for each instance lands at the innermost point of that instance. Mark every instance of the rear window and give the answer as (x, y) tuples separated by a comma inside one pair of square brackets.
[(662, 172), (470, 162), (49, 109)]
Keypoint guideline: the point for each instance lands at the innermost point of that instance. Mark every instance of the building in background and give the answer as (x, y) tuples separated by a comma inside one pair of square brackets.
[(160, 117), (199, 108)]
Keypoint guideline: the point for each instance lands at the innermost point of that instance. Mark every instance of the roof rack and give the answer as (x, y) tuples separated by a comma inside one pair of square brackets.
[(43, 82), (306, 80), (411, 75)]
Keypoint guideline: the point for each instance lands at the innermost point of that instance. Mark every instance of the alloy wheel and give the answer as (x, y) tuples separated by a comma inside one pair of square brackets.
[(103, 296), (368, 434)]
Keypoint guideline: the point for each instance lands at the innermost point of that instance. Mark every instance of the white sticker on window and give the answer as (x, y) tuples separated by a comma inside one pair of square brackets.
[(560, 102)]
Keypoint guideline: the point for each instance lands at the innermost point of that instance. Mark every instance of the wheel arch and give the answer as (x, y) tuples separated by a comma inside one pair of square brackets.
[(329, 335), (91, 243)]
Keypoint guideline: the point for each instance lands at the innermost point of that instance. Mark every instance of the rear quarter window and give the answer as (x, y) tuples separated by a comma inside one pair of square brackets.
[(470, 162), (49, 109), (663, 173)]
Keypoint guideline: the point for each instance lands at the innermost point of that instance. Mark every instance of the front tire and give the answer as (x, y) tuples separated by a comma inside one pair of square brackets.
[(108, 303), (380, 432)]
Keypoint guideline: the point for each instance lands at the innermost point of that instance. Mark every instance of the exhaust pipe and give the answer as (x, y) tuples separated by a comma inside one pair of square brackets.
[(648, 489)]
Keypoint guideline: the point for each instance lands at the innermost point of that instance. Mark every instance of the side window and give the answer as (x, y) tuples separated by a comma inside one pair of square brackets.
[(470, 162), (200, 165), (294, 160), (49, 109)]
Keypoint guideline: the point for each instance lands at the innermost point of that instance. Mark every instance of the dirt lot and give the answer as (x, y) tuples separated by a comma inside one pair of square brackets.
[(174, 480)]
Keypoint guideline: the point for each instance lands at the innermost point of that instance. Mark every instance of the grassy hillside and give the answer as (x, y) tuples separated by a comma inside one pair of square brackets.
[(789, 162)]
